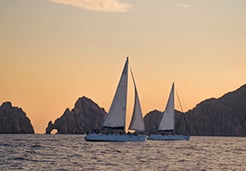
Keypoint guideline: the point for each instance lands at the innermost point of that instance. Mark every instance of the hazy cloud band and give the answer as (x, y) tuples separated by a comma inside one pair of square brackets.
[(183, 5), (97, 5)]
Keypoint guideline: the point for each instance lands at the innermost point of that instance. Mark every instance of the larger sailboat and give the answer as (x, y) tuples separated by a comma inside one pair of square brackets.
[(114, 125), (166, 130)]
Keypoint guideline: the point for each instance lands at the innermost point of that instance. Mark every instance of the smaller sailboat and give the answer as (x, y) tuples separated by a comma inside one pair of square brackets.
[(166, 130), (114, 125)]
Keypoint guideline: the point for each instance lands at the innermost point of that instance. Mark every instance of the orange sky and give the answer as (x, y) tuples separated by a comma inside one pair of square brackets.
[(53, 52)]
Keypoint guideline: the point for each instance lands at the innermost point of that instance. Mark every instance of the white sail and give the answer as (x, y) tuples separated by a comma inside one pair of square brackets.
[(137, 122), (117, 113), (168, 117)]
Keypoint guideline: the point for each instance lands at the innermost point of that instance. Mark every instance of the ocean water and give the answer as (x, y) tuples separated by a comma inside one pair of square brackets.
[(71, 152)]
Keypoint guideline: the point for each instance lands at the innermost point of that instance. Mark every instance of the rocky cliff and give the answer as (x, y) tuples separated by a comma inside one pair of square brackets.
[(13, 120), (85, 115), (225, 116)]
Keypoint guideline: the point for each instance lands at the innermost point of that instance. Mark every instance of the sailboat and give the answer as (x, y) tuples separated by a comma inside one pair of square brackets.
[(114, 125), (166, 130)]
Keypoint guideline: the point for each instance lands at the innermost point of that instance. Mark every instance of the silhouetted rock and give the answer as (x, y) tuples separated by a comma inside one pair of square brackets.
[(225, 116), (13, 120), (86, 115), (152, 120)]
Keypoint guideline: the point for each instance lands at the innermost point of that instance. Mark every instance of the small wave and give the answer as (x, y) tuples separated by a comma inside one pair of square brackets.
[(5, 145), (44, 161), (36, 146), (32, 160), (116, 151), (30, 152), (17, 139), (19, 158), (143, 160)]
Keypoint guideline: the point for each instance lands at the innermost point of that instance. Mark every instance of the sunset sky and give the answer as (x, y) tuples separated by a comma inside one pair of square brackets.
[(54, 51)]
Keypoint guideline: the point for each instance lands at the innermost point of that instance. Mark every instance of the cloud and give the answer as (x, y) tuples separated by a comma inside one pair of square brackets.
[(183, 5), (97, 5)]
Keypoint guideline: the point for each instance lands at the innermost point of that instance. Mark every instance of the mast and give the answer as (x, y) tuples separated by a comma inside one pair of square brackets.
[(137, 122), (168, 117), (117, 113)]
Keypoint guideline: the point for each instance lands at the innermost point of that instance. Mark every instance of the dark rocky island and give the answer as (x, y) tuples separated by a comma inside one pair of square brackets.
[(86, 115), (13, 120), (225, 116)]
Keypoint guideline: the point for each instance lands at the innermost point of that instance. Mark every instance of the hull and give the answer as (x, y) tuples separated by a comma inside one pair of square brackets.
[(115, 137), (168, 137)]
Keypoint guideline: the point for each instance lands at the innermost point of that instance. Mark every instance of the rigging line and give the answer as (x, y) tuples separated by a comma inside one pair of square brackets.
[(179, 101), (187, 128)]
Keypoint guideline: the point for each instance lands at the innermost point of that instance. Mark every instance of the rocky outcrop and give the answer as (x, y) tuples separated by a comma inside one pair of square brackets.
[(86, 115), (225, 116), (13, 120), (152, 120)]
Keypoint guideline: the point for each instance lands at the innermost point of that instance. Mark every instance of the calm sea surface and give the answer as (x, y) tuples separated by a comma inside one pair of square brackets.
[(71, 152)]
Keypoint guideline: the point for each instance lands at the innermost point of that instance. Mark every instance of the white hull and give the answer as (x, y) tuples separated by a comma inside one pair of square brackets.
[(115, 137), (168, 137)]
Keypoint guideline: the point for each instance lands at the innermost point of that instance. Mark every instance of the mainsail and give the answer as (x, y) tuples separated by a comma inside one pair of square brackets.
[(168, 117), (137, 122), (117, 113)]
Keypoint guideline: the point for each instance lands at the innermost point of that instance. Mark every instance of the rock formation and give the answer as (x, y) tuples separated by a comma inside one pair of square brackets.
[(13, 120), (225, 116), (86, 115)]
